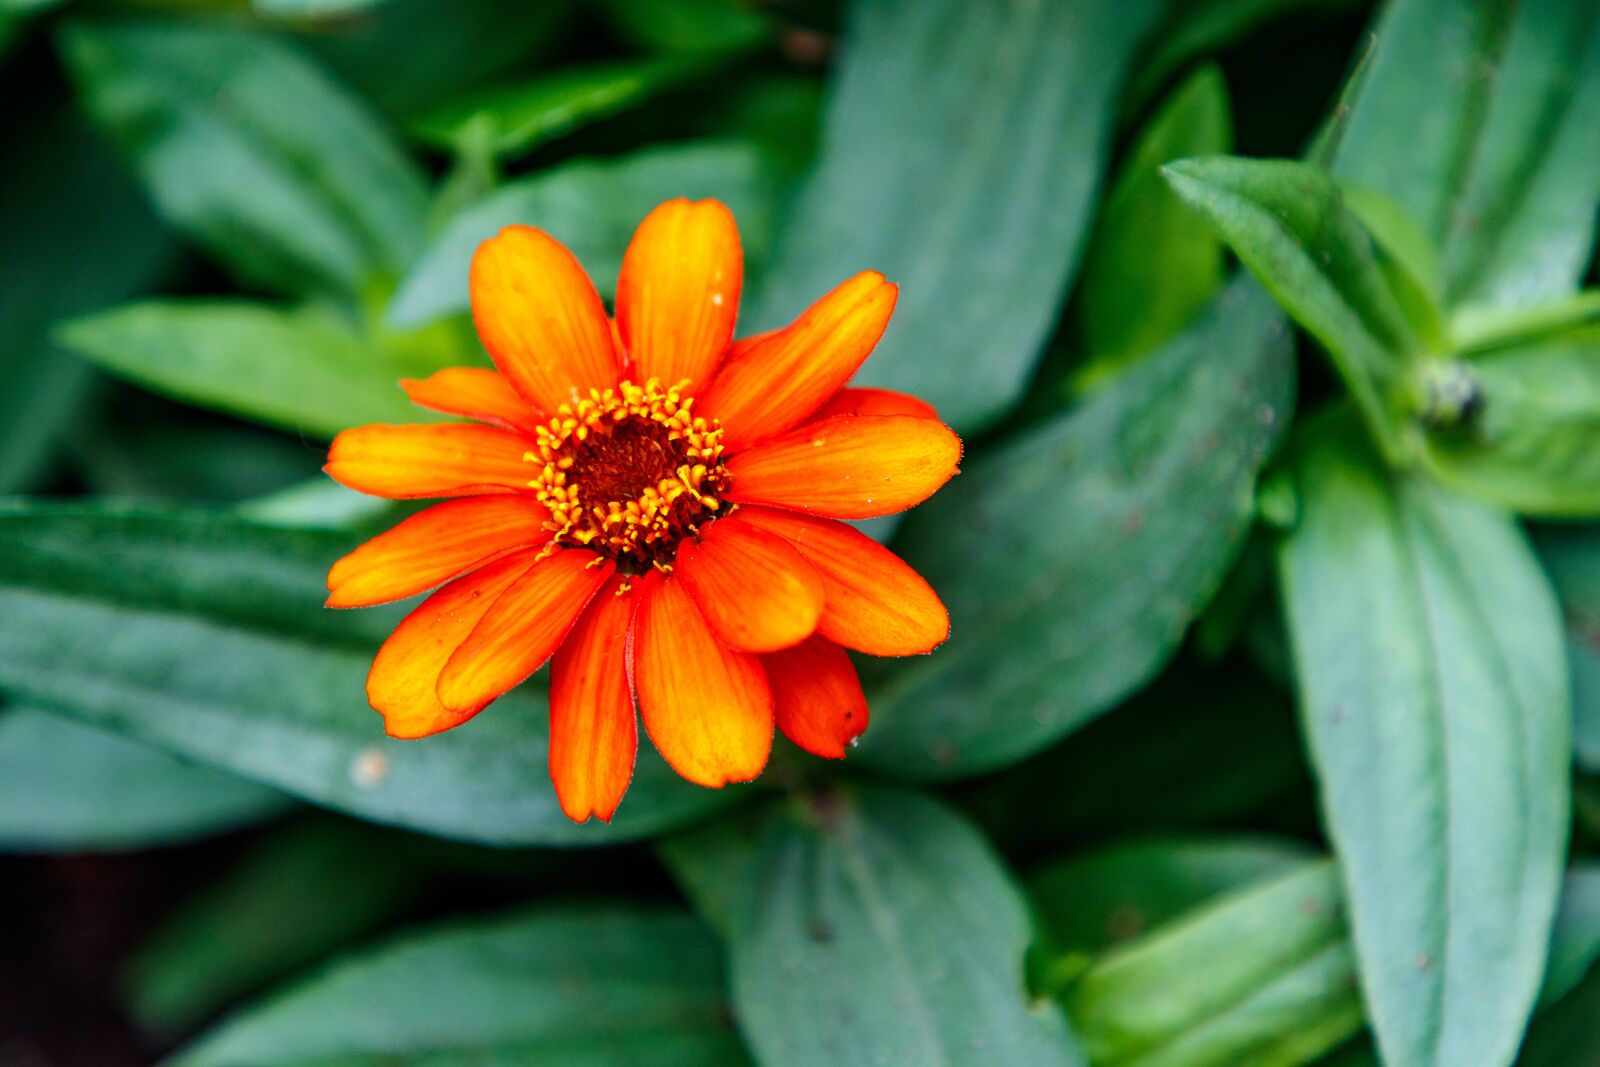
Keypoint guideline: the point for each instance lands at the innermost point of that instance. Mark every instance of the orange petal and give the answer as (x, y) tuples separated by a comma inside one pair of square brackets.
[(757, 592), (540, 318), (848, 467), (474, 393), (707, 707), (816, 696), (527, 623), (875, 402), (593, 736), (874, 602), (402, 682), (771, 383), (437, 459), (434, 545), (679, 291)]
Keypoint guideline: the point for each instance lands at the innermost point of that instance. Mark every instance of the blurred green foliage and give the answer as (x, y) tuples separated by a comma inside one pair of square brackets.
[(1268, 729)]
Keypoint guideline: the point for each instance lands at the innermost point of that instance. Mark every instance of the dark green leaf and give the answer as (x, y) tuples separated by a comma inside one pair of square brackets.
[(515, 119), (1434, 695), (1571, 557), (166, 460), (548, 988), (1569, 1034), (253, 152), (687, 25), (1091, 902), (1152, 264), (407, 55), (1199, 748), (1264, 976), (306, 371), (593, 208), (204, 634), (68, 787), (68, 185), (1204, 27), (1575, 940), (313, 8), (881, 929), (1287, 222), (971, 137), (299, 894), (1482, 118), (1531, 444), (1073, 556)]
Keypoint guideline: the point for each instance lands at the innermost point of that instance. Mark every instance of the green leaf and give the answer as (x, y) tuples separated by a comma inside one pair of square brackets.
[(303, 370), (313, 8), (881, 929), (1567, 1035), (69, 185), (1199, 748), (447, 48), (297, 895), (544, 988), (513, 120), (159, 459), (1571, 557), (1263, 975), (1474, 330), (253, 152), (1407, 258), (961, 151), (1574, 946), (1575, 939), (1152, 264), (687, 25), (1528, 441), (1090, 902), (1482, 118), (1287, 222), (1434, 695), (1225, 979), (593, 208), (68, 787), (1073, 556), (1206, 27), (204, 634)]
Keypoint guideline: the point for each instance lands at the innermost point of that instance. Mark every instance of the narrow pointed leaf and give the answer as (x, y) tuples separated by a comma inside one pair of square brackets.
[(1146, 241), (1263, 975), (1287, 222), (304, 371), (1434, 696), (514, 119)]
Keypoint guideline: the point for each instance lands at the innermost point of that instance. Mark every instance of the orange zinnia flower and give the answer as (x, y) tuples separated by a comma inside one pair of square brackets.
[(654, 506)]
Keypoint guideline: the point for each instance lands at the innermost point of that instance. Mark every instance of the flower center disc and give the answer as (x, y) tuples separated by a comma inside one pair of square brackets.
[(629, 472)]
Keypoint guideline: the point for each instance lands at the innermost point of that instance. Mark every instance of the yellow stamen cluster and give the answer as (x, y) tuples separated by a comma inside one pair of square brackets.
[(629, 472)]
